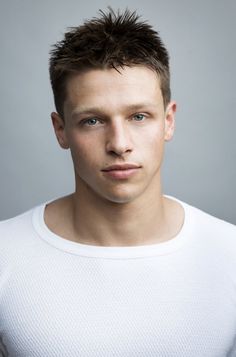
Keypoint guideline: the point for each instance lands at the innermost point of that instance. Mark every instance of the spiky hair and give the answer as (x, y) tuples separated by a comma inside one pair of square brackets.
[(113, 40)]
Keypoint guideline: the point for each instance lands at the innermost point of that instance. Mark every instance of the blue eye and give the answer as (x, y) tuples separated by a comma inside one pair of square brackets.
[(139, 117), (91, 121)]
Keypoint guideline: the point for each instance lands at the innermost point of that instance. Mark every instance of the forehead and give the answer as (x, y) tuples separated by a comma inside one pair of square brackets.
[(110, 88)]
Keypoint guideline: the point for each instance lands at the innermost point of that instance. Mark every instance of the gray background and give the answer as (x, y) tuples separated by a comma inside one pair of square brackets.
[(199, 163)]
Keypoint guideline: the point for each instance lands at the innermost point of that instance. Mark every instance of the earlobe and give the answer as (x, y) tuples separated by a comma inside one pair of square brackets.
[(170, 121), (59, 128)]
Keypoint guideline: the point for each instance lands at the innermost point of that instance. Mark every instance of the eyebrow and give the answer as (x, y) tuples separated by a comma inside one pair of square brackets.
[(99, 110)]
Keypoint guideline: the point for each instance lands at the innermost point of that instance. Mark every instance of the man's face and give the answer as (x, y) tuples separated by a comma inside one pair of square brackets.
[(112, 119)]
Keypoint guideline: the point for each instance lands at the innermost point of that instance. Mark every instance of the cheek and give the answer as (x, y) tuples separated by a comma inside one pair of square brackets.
[(152, 140), (83, 153)]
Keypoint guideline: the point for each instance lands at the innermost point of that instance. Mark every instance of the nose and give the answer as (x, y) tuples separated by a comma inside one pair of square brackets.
[(118, 139)]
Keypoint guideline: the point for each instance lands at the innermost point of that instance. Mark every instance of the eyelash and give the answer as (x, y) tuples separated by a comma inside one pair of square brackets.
[(144, 116), (85, 121)]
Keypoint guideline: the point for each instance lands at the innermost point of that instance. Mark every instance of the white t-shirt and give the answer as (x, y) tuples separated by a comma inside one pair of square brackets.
[(173, 299)]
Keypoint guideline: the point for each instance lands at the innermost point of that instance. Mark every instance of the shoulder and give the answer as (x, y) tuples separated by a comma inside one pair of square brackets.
[(16, 224), (213, 237), (17, 236), (209, 231), (18, 246), (211, 225), (205, 221)]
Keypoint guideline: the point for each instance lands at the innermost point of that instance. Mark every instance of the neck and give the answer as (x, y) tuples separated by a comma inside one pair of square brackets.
[(101, 222)]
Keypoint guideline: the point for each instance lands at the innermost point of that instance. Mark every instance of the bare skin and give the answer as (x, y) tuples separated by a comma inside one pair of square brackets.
[(113, 230), (113, 118)]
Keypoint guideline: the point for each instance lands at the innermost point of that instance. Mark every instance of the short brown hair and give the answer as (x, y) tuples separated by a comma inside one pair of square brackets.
[(112, 40)]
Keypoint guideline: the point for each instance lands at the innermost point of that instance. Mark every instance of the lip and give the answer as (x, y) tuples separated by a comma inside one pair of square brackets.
[(121, 167), (121, 172)]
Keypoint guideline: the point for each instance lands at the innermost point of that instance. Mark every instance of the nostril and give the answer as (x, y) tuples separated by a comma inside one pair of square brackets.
[(119, 143)]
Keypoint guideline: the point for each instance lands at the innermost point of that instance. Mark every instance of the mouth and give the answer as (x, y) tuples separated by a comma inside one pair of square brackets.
[(121, 172)]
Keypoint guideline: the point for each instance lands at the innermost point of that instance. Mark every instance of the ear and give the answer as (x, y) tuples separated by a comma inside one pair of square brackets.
[(170, 120), (59, 128)]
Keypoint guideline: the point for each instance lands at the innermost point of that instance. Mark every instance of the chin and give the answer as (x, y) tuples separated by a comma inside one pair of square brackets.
[(119, 200), (119, 194), (120, 197)]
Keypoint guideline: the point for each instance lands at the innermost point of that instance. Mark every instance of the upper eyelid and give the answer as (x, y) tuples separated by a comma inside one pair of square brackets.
[(89, 118), (85, 121), (140, 113), (143, 114), (103, 119)]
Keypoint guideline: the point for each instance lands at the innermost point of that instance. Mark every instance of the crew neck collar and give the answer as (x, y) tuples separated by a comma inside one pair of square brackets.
[(114, 252)]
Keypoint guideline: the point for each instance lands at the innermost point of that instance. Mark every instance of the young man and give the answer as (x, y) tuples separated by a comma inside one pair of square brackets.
[(116, 268)]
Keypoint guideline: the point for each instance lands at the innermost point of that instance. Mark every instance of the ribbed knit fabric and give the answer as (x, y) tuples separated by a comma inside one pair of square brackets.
[(173, 299)]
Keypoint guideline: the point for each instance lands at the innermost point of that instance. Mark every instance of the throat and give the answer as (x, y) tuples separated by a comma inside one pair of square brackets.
[(117, 227)]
